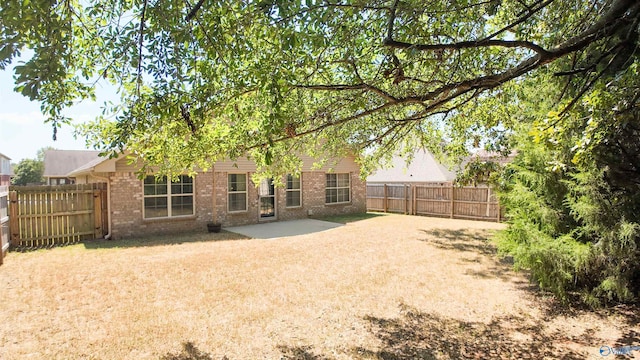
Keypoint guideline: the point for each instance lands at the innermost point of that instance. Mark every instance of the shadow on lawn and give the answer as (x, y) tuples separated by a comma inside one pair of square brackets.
[(630, 337), (299, 353), (419, 335), (162, 240), (461, 240), (478, 246), (189, 352)]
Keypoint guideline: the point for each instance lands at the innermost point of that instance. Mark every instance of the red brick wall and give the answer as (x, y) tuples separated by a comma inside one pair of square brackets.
[(5, 180), (127, 204)]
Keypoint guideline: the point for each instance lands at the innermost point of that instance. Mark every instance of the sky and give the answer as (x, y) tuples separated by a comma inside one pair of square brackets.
[(22, 128)]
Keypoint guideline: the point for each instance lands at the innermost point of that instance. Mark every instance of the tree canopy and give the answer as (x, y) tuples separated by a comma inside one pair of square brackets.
[(28, 171), (270, 78)]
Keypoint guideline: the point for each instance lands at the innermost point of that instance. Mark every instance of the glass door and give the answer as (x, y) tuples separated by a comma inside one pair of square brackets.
[(267, 200)]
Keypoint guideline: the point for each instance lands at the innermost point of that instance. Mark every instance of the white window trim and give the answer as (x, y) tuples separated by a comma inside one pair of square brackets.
[(246, 192), (287, 190), (337, 187), (169, 195)]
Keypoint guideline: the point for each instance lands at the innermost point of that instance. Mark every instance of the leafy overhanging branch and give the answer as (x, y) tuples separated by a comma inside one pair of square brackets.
[(621, 14), (345, 73)]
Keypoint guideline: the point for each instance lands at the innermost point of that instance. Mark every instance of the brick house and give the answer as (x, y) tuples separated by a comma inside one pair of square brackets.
[(148, 206)]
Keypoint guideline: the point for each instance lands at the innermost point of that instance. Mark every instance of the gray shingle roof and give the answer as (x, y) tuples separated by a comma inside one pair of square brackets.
[(58, 163)]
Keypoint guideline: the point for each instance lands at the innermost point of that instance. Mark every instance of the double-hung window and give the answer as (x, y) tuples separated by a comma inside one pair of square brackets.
[(338, 188), (164, 198), (237, 192), (293, 191)]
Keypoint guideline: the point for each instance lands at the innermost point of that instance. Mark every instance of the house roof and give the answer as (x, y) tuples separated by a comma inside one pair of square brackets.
[(98, 165), (4, 156), (86, 168), (59, 163), (423, 168)]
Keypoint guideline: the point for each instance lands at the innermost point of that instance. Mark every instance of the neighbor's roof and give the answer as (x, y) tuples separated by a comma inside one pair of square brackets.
[(58, 163), (5, 156), (423, 168)]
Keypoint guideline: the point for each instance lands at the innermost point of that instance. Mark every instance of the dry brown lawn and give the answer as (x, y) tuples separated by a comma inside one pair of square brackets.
[(389, 287)]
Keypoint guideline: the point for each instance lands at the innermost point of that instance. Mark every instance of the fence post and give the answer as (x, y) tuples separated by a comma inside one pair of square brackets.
[(385, 198), (452, 201), (488, 200), (406, 199), (14, 224), (413, 196), (97, 213)]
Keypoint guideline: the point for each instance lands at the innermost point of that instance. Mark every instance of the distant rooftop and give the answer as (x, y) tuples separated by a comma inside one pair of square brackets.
[(423, 168), (58, 163)]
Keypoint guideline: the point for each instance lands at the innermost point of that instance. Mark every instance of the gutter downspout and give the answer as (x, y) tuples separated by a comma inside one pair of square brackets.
[(106, 179)]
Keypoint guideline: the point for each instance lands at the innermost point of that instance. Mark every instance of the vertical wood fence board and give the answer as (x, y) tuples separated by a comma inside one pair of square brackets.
[(14, 222), (47, 216), (442, 200), (97, 213)]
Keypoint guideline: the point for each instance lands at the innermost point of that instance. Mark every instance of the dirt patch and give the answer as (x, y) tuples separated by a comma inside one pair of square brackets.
[(388, 287)]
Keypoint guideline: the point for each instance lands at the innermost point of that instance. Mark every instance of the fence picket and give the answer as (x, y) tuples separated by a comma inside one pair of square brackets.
[(47, 216), (434, 199)]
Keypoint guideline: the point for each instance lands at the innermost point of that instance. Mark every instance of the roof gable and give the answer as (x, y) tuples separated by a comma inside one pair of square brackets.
[(423, 168)]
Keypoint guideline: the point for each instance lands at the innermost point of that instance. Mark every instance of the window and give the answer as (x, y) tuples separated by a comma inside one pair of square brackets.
[(237, 192), (168, 199), (338, 188), (294, 198)]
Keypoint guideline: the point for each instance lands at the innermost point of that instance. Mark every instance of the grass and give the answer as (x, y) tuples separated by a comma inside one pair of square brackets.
[(387, 287)]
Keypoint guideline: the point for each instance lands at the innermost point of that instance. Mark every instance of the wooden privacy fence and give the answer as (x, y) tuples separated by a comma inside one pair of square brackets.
[(4, 222), (435, 199), (47, 216)]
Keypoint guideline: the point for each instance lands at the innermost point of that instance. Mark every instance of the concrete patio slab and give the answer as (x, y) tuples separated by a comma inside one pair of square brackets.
[(280, 229)]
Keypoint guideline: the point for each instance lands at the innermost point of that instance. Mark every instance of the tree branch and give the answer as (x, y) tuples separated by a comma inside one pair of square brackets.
[(392, 19), (616, 18), (342, 87), (465, 45), (328, 124), (531, 11), (194, 11), (140, 41)]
